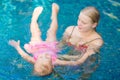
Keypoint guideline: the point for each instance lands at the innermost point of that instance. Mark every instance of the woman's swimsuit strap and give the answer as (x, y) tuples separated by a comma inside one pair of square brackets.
[(71, 33), (91, 41)]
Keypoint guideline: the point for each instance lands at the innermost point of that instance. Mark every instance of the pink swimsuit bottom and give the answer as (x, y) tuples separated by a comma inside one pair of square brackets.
[(41, 48)]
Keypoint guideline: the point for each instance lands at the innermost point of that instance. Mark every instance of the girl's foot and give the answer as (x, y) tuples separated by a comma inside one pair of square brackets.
[(55, 9), (37, 11)]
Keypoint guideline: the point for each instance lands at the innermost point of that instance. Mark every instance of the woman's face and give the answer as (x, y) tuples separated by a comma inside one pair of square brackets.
[(84, 23)]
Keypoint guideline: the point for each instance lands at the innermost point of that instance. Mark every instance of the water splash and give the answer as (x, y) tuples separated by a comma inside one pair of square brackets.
[(114, 3), (19, 65), (111, 15), (118, 30)]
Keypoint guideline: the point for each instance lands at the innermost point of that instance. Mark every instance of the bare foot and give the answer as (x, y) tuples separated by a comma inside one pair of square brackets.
[(55, 9), (36, 13)]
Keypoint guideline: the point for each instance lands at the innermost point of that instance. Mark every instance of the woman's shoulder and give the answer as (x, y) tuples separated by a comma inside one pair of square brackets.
[(96, 40), (69, 28), (99, 40)]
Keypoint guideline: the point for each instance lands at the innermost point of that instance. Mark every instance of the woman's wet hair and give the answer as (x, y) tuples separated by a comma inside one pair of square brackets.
[(92, 12)]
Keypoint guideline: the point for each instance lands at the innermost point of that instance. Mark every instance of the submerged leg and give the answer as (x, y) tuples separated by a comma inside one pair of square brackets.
[(51, 33), (34, 28)]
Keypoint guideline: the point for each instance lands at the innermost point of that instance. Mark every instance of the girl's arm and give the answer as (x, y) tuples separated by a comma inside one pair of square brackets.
[(23, 54)]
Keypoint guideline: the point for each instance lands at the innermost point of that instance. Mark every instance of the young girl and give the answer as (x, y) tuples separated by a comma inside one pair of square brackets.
[(83, 37), (44, 52)]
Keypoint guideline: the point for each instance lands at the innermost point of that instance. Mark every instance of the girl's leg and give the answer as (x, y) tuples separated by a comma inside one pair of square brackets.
[(51, 33), (34, 28)]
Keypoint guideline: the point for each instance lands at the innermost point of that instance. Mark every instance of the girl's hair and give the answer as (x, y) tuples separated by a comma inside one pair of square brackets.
[(47, 69), (44, 69), (92, 12)]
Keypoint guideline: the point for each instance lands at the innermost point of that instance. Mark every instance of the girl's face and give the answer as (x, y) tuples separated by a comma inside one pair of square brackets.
[(85, 23), (46, 58), (43, 62)]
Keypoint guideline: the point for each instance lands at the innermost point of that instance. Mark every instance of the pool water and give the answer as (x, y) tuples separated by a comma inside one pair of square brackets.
[(15, 16)]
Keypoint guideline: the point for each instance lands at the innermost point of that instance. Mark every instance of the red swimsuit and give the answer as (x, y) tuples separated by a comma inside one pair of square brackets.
[(82, 47)]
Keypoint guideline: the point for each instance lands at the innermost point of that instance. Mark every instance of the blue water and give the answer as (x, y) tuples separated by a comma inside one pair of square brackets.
[(15, 18)]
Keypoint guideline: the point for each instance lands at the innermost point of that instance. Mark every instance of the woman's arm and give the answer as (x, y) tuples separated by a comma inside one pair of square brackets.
[(23, 54), (90, 51), (66, 36), (71, 62), (68, 57)]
